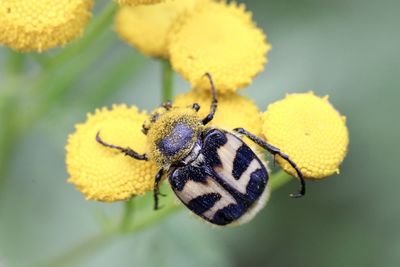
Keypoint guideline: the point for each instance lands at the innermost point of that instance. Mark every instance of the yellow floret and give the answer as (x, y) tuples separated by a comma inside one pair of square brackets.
[(233, 110), (139, 2), (146, 27), (105, 174), (38, 25), (221, 39), (310, 131)]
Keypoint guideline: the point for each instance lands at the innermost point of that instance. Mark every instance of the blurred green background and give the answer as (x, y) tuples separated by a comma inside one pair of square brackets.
[(348, 49)]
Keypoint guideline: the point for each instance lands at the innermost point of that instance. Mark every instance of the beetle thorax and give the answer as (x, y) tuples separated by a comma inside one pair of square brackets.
[(172, 135)]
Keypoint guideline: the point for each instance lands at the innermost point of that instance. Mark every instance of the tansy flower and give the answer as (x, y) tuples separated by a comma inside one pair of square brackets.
[(37, 25), (233, 110), (310, 131), (219, 38), (104, 174), (139, 2), (146, 27)]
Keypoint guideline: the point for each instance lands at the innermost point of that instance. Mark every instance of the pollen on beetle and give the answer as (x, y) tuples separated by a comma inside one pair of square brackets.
[(102, 173), (165, 127), (233, 110), (38, 25), (221, 39), (139, 2), (310, 130), (146, 27)]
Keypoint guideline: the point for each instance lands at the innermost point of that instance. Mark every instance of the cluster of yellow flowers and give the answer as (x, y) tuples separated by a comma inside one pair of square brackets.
[(38, 25), (199, 36)]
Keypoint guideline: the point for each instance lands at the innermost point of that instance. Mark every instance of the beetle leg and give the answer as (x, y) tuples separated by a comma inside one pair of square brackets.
[(126, 150), (156, 191), (214, 102), (275, 151)]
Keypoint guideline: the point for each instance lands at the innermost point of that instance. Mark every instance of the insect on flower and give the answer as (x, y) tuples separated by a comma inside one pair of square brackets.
[(213, 172)]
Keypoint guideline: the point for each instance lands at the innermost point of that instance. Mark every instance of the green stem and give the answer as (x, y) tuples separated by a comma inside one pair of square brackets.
[(8, 134), (127, 218), (155, 216), (279, 179), (50, 90), (119, 73), (167, 81), (92, 244), (9, 110), (65, 68), (99, 24), (83, 249), (15, 63), (40, 59)]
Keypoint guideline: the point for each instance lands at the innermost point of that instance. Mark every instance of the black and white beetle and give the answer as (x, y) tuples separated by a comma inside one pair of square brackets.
[(212, 171)]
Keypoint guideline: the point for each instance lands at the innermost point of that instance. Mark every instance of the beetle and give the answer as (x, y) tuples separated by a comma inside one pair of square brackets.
[(213, 172)]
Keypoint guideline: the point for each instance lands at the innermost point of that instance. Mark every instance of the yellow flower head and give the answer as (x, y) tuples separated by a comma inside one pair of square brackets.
[(146, 27), (310, 131), (105, 174), (139, 2), (37, 25), (221, 39), (233, 110)]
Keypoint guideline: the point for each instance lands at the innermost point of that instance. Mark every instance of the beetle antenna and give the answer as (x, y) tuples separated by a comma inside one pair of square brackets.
[(214, 102)]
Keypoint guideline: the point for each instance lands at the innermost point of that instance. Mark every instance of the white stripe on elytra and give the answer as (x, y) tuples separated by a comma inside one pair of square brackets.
[(193, 189), (227, 154)]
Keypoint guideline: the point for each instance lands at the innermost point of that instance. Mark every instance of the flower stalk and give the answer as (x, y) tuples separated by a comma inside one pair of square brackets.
[(128, 214), (8, 108), (145, 217), (167, 81), (99, 24)]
